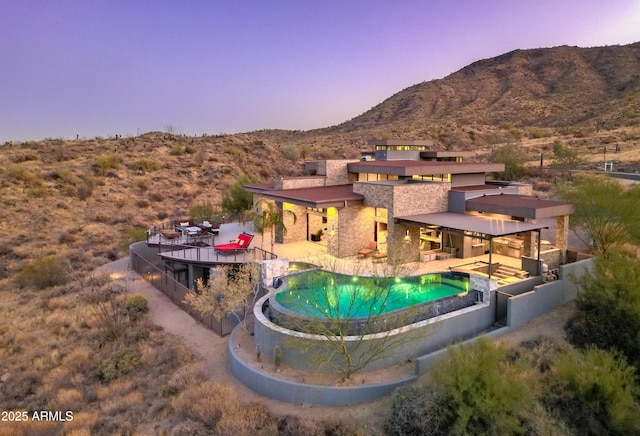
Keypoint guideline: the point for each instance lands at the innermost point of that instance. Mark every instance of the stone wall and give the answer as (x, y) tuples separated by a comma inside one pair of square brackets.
[(299, 182), (352, 230), (270, 269), (336, 172)]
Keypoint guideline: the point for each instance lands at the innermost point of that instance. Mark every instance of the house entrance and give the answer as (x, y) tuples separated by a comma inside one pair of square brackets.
[(316, 224)]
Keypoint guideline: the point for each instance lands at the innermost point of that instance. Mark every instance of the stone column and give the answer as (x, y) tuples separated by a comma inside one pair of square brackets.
[(562, 236), (530, 242)]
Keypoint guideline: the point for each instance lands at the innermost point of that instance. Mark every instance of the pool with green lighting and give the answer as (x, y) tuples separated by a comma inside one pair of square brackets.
[(320, 293)]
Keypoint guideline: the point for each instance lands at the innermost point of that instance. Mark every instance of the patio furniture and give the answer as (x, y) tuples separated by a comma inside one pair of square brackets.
[(369, 249), (169, 234), (379, 256), (240, 244)]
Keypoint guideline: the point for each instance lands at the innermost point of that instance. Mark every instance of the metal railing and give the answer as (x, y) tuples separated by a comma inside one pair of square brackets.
[(176, 291)]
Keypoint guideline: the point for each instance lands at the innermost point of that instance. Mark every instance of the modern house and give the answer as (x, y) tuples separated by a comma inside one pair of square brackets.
[(412, 203)]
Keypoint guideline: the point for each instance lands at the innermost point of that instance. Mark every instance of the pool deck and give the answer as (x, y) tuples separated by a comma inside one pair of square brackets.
[(316, 253)]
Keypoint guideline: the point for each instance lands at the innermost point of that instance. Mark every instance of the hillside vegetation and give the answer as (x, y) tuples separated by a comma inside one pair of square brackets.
[(69, 206)]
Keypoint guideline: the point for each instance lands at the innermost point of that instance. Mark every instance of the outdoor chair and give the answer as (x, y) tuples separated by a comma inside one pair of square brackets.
[(369, 249), (240, 244)]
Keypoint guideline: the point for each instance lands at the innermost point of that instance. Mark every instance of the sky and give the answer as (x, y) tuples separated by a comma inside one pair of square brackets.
[(86, 68)]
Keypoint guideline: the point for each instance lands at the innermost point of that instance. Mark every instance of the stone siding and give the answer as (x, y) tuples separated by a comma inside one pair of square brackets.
[(353, 230), (336, 172), (299, 182)]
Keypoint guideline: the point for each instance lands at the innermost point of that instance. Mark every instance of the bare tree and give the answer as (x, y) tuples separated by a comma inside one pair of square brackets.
[(230, 291), (349, 312)]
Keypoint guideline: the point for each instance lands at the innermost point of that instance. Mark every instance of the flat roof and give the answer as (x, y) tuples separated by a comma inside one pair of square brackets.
[(436, 154), (472, 223), (395, 142), (519, 205), (422, 167), (318, 197)]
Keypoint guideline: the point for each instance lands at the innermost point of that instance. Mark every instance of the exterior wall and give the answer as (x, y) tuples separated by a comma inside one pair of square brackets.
[(404, 199), (299, 182), (523, 308), (551, 257), (467, 179), (525, 189), (298, 349), (302, 393), (353, 229), (336, 171), (295, 232)]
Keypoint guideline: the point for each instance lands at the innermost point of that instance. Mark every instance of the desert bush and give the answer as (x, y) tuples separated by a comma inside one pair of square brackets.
[(108, 162), (251, 419), (23, 174), (142, 183), (415, 410), (119, 363), (481, 392), (294, 426), (608, 307), (595, 392), (45, 271), (136, 306), (205, 211), (177, 150), (207, 402), (514, 160), (144, 164), (130, 235), (291, 152), (106, 307)]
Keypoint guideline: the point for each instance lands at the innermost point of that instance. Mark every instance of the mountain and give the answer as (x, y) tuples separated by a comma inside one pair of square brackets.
[(545, 88)]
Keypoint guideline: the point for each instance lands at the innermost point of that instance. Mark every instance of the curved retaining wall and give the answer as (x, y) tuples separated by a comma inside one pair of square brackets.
[(300, 393), (300, 350)]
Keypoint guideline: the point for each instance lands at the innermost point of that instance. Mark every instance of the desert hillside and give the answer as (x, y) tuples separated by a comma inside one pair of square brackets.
[(83, 200)]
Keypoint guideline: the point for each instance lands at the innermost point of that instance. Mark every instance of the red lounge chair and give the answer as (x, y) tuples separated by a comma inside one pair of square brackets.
[(242, 243)]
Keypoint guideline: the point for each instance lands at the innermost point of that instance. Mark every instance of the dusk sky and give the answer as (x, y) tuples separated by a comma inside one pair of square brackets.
[(106, 67)]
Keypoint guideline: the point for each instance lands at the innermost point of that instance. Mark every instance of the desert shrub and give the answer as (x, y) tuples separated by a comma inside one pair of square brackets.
[(608, 307), (251, 419), (514, 159), (142, 203), (22, 174), (105, 306), (135, 306), (207, 403), (177, 150), (142, 183), (189, 428), (481, 392), (291, 152), (205, 212), (595, 392), (119, 363), (45, 271), (415, 410), (130, 235), (108, 162), (236, 201), (85, 187), (144, 164), (294, 426)]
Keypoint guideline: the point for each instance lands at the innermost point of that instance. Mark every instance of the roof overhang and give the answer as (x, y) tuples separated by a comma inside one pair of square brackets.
[(315, 197), (410, 168), (472, 223), (519, 205)]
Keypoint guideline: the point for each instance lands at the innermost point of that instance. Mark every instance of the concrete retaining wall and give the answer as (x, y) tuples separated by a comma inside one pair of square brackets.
[(300, 350), (301, 393), (529, 305)]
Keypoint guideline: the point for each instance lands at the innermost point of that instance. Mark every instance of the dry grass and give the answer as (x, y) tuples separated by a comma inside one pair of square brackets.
[(51, 347)]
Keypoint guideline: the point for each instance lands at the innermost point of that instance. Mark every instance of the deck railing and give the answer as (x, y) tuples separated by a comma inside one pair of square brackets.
[(176, 291)]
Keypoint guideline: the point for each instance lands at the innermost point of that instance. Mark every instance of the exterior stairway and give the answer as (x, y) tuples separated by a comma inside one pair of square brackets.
[(505, 271)]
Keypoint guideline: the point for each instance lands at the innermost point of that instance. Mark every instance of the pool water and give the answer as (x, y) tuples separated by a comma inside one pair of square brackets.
[(323, 294)]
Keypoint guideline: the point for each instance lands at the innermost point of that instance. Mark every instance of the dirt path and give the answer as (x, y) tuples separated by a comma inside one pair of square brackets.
[(213, 350)]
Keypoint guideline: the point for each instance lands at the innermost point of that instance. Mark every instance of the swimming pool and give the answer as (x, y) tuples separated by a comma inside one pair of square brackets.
[(319, 293)]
